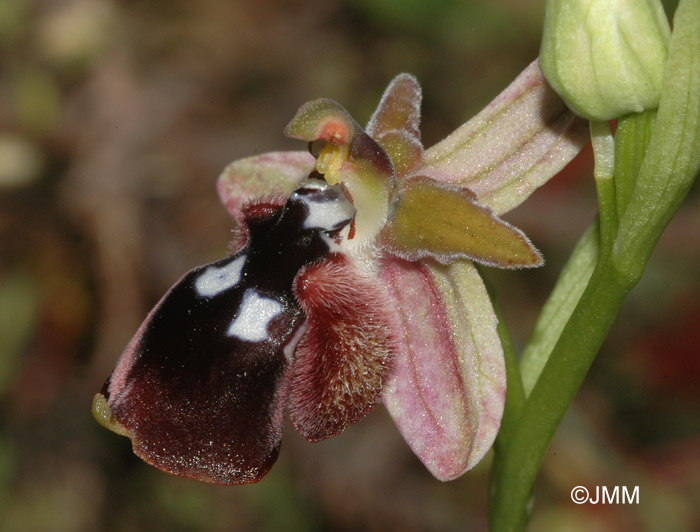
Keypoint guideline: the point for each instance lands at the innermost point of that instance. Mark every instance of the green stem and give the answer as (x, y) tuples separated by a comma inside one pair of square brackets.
[(604, 152), (632, 136), (515, 393), (591, 291), (650, 192), (518, 464), (560, 305)]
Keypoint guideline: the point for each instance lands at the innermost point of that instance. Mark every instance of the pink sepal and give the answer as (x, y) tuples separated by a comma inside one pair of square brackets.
[(447, 389), (276, 173)]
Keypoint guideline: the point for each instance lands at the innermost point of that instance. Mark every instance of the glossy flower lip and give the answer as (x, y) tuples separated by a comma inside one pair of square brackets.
[(349, 283)]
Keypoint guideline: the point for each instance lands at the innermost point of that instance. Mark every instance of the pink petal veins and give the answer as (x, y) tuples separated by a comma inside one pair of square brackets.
[(447, 390), (275, 173), (524, 137)]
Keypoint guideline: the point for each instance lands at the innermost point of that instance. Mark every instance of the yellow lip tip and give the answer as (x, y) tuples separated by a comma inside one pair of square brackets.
[(103, 415)]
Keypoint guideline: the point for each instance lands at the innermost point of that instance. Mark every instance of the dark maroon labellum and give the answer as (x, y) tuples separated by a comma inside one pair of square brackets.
[(201, 387)]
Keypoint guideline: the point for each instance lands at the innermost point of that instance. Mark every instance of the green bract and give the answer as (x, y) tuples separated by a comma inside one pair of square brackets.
[(605, 58), (642, 175)]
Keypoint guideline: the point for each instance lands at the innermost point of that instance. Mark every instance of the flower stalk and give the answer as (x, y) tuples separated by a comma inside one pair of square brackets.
[(656, 160)]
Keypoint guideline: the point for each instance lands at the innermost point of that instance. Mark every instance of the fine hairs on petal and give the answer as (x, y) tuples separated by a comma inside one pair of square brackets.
[(444, 222), (333, 297), (395, 124), (342, 361), (447, 390), (519, 141), (399, 108)]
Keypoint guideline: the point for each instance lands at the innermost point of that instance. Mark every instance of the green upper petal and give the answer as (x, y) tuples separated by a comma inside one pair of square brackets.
[(433, 219), (395, 124), (405, 150)]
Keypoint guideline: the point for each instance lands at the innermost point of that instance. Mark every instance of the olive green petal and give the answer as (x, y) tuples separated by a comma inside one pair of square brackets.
[(437, 220), (405, 151), (399, 109)]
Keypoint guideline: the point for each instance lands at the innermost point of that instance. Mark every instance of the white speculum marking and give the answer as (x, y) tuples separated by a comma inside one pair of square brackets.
[(327, 214), (214, 280), (254, 315)]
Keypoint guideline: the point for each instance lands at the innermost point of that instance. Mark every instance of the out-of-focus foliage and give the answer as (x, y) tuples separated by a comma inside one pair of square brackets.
[(117, 117)]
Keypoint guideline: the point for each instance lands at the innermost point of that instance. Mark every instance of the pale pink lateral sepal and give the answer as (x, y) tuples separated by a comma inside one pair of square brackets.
[(525, 136), (447, 389), (275, 173)]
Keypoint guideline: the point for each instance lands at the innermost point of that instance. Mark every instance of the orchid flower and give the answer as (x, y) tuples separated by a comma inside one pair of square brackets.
[(349, 283)]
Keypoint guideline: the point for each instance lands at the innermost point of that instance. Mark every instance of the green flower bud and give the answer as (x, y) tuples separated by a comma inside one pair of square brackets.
[(605, 58)]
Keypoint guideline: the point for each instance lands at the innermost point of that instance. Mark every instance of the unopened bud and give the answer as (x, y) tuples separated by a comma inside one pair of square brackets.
[(605, 58)]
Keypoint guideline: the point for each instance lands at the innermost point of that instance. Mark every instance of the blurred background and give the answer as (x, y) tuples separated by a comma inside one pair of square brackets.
[(116, 118)]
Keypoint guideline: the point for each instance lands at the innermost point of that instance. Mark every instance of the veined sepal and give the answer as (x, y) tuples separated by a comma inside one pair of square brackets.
[(447, 390), (270, 174), (513, 146)]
